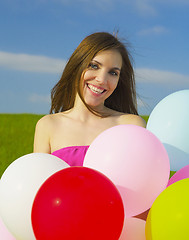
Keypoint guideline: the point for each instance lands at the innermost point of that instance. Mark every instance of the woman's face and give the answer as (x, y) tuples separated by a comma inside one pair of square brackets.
[(101, 77)]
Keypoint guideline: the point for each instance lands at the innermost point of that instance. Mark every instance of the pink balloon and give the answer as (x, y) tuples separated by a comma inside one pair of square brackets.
[(133, 229), (4, 233), (136, 162), (179, 175)]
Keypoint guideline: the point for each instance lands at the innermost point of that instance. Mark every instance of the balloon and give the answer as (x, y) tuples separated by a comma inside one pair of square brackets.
[(18, 187), (4, 233), (133, 229), (135, 161), (169, 215), (179, 175), (169, 122), (77, 203)]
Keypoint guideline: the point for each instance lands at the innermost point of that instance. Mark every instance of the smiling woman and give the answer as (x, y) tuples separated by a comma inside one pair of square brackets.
[(96, 92)]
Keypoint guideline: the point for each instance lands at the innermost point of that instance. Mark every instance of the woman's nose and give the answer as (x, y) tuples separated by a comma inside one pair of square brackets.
[(101, 77)]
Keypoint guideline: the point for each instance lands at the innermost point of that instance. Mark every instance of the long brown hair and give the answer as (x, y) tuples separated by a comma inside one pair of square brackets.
[(123, 99)]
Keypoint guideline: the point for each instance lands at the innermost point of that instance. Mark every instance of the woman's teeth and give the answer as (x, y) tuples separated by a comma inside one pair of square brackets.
[(95, 89)]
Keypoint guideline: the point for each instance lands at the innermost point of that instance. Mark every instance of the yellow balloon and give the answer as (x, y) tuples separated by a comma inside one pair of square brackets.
[(148, 227), (169, 215)]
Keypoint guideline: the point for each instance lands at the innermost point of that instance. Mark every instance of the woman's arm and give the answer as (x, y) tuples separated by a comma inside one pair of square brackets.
[(42, 136)]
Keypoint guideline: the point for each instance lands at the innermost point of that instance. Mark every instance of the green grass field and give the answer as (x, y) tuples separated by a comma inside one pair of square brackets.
[(16, 137)]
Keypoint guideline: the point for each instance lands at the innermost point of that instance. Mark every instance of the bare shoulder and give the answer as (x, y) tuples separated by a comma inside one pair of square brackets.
[(45, 119), (132, 119), (48, 120), (43, 123), (43, 131), (49, 124)]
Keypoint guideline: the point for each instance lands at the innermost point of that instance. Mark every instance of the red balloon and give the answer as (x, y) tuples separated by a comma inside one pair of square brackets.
[(77, 203)]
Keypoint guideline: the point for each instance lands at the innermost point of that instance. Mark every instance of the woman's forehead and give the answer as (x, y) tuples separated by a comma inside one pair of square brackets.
[(110, 57)]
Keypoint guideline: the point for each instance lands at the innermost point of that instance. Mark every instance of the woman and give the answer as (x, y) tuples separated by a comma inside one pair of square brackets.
[(96, 92)]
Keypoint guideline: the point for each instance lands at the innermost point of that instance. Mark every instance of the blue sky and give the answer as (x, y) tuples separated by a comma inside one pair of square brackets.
[(38, 37)]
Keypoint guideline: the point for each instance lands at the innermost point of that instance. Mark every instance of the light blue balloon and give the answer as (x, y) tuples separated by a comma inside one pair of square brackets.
[(169, 121)]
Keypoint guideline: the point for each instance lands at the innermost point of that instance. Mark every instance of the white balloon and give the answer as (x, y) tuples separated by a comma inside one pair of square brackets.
[(18, 187)]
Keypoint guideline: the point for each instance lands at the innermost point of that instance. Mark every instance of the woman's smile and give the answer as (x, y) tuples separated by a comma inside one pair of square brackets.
[(95, 89)]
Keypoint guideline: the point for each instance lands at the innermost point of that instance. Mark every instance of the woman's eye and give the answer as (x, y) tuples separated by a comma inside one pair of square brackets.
[(93, 66), (114, 73)]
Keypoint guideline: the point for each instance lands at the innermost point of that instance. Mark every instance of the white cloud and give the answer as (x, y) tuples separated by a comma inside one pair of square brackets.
[(156, 30), (104, 5), (176, 2), (145, 7), (37, 98), (158, 76), (31, 63), (150, 7)]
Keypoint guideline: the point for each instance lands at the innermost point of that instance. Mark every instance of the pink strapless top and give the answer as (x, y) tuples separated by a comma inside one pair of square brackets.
[(73, 155)]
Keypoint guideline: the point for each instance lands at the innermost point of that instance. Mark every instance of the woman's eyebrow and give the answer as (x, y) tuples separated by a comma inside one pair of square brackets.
[(115, 68)]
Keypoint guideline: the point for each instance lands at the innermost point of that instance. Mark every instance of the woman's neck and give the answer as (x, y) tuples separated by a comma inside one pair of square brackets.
[(82, 112)]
